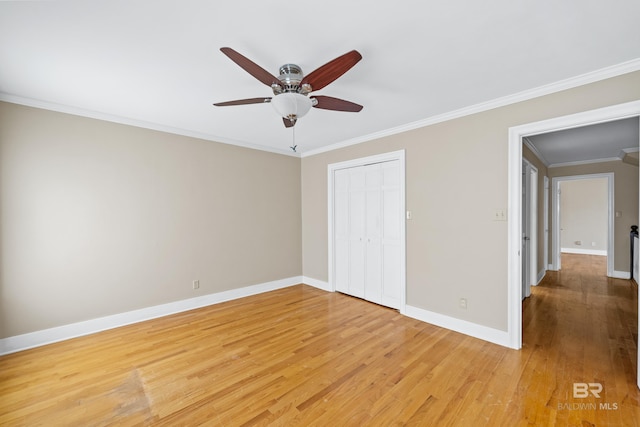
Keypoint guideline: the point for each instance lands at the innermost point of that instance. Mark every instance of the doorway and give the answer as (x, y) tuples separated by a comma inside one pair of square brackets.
[(558, 243), (514, 256), (514, 261)]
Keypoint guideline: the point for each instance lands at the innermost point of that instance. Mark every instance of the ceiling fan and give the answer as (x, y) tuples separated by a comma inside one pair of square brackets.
[(291, 88)]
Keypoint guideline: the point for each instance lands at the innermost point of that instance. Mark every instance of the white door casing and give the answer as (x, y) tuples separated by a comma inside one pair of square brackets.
[(514, 221)]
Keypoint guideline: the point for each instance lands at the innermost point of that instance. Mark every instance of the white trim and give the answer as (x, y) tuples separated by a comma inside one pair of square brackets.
[(320, 284), (544, 161), (555, 212), (516, 133), (541, 275), (572, 82), (620, 275), (514, 242), (583, 79), (61, 333), (585, 162), (581, 251), (61, 108), (378, 158), (535, 151), (486, 333)]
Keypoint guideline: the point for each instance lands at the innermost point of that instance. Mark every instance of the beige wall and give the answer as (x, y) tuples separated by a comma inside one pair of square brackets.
[(456, 177), (99, 218), (584, 214), (625, 201)]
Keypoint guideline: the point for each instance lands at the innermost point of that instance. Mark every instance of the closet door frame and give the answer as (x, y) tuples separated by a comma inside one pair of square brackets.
[(379, 158)]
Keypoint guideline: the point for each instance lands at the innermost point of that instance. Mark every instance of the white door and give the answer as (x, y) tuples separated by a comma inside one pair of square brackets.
[(526, 239), (391, 234), (529, 227), (368, 227), (357, 232), (372, 234), (545, 220)]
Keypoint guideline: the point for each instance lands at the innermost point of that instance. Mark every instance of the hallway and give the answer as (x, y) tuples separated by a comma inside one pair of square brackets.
[(581, 327)]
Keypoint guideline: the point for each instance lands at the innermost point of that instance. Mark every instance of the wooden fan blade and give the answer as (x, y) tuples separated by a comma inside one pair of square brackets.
[(250, 67), (330, 71), (288, 123), (243, 102), (336, 104)]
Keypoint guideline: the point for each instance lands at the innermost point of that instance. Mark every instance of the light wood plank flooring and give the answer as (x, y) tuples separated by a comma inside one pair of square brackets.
[(300, 356)]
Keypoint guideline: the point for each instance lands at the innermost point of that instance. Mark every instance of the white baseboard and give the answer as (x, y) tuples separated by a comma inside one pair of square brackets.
[(541, 275), (464, 327), (584, 251), (61, 333), (317, 283), (621, 274)]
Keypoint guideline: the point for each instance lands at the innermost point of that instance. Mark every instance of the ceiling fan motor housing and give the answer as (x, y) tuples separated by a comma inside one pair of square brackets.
[(290, 78)]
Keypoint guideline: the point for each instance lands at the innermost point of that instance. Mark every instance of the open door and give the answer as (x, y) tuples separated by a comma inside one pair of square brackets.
[(529, 227)]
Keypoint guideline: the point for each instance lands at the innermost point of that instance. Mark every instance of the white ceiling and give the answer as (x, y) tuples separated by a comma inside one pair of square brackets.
[(157, 64), (601, 142)]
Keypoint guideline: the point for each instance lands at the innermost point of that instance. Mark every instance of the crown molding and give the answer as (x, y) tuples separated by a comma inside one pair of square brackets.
[(67, 109), (535, 151), (570, 83), (620, 157), (585, 162), (583, 79)]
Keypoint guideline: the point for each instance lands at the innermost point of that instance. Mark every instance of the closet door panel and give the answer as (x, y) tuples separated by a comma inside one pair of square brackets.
[(357, 232), (391, 235), (373, 258)]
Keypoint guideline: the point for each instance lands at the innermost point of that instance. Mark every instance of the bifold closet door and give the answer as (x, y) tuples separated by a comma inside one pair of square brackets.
[(367, 226), (392, 217)]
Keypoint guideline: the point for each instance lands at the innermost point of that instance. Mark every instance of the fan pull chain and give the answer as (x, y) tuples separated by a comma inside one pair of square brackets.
[(294, 146)]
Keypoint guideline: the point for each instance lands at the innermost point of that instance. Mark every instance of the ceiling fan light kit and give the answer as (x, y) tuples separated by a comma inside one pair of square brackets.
[(291, 88), (291, 105)]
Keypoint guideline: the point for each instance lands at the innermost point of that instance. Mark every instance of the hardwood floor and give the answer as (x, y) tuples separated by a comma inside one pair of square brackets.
[(301, 356)]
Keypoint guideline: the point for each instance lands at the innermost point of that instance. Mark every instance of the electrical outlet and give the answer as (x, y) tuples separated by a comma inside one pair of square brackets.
[(463, 303), (196, 284)]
